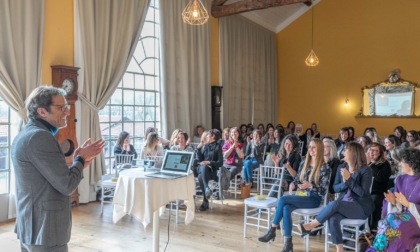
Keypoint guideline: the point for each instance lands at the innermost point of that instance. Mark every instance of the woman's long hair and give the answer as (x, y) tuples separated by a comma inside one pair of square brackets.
[(319, 162), (357, 157), (295, 144), (152, 138), (123, 135)]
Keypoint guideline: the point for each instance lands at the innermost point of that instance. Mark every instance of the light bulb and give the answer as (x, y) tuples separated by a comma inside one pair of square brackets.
[(195, 13), (312, 59)]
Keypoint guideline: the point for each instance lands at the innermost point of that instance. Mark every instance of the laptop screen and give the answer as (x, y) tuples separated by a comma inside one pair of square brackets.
[(177, 161)]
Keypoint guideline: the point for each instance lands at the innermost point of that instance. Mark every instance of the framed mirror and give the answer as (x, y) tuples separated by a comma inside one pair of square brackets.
[(393, 97)]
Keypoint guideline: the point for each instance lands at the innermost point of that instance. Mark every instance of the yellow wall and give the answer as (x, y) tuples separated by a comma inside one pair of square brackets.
[(358, 43), (58, 38)]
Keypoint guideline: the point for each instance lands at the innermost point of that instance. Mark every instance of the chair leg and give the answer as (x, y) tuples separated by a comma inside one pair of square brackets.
[(102, 200), (177, 211), (326, 237), (245, 219)]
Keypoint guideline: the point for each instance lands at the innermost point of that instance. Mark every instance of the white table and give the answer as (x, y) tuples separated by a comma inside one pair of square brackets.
[(141, 197)]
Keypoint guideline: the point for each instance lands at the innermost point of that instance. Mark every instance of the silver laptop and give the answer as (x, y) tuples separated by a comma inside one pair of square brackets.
[(175, 164)]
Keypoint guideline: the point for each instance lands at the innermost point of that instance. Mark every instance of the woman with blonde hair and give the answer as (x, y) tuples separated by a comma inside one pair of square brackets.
[(151, 148), (353, 183), (173, 141), (312, 182)]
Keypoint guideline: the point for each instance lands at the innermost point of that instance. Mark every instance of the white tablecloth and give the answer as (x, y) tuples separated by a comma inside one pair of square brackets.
[(141, 196)]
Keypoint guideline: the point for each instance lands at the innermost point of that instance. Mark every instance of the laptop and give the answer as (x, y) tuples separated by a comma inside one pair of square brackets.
[(175, 164)]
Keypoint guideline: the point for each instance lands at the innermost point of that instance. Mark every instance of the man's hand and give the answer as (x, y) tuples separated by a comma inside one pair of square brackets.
[(88, 151)]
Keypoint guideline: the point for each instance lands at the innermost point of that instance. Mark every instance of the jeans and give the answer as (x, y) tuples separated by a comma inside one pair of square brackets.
[(334, 212), (249, 166), (287, 204)]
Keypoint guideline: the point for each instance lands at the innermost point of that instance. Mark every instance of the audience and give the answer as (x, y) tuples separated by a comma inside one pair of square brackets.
[(352, 137), (289, 158), (253, 156), (225, 136), (198, 133), (381, 171), (364, 141), (273, 146), (314, 128), (400, 229), (173, 141), (291, 127), (305, 139), (123, 146), (312, 183), (353, 183), (151, 148), (261, 128), (182, 143), (331, 158), (233, 153), (243, 132), (341, 141), (401, 133), (372, 134), (391, 142), (412, 138), (210, 158)]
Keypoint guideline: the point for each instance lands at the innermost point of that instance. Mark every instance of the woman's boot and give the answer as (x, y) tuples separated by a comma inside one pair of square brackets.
[(288, 244), (270, 235)]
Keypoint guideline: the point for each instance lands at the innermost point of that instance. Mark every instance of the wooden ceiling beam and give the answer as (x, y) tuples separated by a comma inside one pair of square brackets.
[(218, 9)]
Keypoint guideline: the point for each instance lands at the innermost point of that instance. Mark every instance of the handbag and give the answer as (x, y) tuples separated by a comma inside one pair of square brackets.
[(365, 241), (245, 191)]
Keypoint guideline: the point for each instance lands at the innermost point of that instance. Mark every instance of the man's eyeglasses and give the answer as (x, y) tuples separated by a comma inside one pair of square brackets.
[(62, 107)]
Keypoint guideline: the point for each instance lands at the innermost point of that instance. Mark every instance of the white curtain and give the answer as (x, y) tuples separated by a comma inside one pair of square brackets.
[(185, 70), (21, 43), (106, 35), (248, 69)]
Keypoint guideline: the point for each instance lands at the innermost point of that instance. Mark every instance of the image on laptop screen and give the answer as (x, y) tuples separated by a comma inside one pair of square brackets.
[(177, 161)]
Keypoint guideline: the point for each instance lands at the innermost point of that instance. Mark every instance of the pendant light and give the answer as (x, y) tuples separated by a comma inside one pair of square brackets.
[(195, 13), (312, 60)]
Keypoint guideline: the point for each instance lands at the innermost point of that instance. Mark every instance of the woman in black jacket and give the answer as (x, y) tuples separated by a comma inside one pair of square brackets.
[(210, 158), (381, 170)]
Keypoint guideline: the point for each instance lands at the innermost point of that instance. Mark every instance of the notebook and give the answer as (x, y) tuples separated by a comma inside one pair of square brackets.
[(175, 164)]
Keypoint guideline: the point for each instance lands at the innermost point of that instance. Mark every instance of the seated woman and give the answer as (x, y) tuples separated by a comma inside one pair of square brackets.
[(233, 153), (273, 146), (123, 146), (412, 138), (353, 184), (198, 133), (173, 141), (400, 230), (182, 143), (151, 148), (331, 158), (314, 128), (210, 158), (312, 181), (373, 135), (164, 142), (401, 133), (381, 170), (289, 158), (253, 156), (352, 136), (364, 141), (305, 139), (225, 136), (341, 141)]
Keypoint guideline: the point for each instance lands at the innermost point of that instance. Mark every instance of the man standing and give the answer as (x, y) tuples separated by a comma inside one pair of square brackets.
[(44, 182)]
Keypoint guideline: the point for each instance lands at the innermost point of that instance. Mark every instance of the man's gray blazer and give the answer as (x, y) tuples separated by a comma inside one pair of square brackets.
[(43, 185)]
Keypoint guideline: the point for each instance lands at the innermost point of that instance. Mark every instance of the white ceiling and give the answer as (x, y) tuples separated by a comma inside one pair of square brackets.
[(276, 18)]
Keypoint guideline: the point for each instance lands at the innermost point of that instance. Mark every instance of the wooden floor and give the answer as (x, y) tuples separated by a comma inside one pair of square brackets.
[(218, 229)]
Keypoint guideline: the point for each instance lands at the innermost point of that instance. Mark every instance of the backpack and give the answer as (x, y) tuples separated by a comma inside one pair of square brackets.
[(224, 176)]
